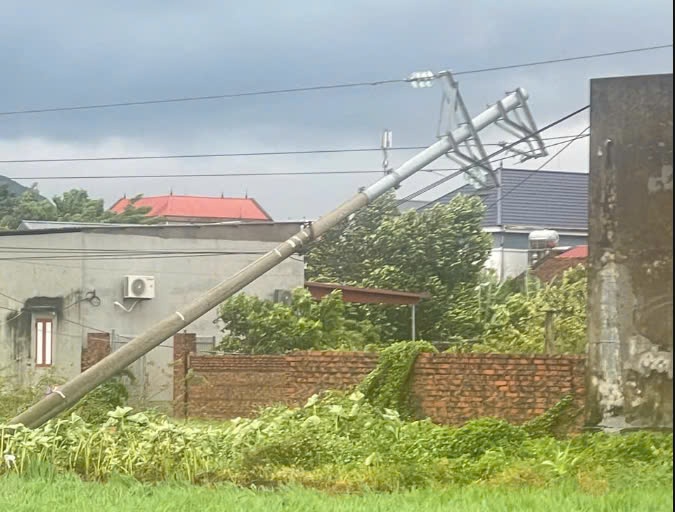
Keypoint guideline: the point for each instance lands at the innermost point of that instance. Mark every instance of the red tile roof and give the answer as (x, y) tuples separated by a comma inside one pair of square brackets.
[(580, 251), (198, 207), (553, 266)]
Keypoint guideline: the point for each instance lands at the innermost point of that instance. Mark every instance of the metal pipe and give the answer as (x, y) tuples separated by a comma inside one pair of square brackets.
[(412, 318)]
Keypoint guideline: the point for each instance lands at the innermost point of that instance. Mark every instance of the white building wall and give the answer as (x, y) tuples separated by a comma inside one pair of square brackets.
[(178, 281), (507, 263)]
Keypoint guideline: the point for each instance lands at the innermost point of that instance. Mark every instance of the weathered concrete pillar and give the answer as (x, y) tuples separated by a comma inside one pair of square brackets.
[(184, 344), (630, 359)]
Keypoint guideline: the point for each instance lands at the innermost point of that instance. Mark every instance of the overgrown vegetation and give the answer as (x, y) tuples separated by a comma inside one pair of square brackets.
[(489, 317), (388, 385), (510, 317), (341, 441), (440, 250), (338, 442), (93, 408), (255, 326)]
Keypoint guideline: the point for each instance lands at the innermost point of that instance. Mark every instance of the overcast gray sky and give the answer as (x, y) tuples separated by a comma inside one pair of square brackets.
[(76, 52)]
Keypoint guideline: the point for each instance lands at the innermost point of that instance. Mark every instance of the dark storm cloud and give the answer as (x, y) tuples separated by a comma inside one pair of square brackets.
[(68, 53)]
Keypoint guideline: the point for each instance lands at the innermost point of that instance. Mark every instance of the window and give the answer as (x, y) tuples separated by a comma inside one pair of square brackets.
[(44, 341)]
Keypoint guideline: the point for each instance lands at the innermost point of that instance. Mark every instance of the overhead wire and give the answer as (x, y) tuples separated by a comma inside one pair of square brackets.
[(79, 254), (125, 257), (335, 86), (243, 173), (11, 298), (219, 155)]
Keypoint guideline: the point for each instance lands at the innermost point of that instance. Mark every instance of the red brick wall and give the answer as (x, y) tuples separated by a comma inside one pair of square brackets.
[(454, 388), (98, 347), (448, 388)]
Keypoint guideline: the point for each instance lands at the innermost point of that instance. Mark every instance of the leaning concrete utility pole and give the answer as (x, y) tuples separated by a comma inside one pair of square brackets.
[(459, 141)]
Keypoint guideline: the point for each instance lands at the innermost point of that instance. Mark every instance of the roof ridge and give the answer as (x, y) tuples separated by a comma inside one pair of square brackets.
[(199, 197)]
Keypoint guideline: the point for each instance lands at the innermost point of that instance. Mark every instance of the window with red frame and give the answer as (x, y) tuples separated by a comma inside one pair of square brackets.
[(44, 341)]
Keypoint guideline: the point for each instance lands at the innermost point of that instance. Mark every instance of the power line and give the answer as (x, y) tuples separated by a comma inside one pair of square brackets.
[(566, 59), (11, 298), (221, 155), (84, 325), (315, 88), (119, 251), (125, 257), (239, 174), (203, 175), (80, 254), (489, 157)]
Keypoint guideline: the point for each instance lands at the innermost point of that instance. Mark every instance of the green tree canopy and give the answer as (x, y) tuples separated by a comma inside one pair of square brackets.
[(72, 206), (437, 250), (255, 326)]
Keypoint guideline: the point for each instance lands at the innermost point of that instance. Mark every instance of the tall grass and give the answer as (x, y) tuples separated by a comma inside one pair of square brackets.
[(63, 493)]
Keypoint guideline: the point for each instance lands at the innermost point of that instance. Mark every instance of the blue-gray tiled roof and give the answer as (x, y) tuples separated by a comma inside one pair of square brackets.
[(545, 199)]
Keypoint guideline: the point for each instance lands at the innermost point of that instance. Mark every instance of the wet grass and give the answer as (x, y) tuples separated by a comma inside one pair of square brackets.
[(62, 493)]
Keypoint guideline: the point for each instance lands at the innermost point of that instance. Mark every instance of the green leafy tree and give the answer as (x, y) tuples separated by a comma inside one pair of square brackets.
[(341, 254), (29, 205), (438, 250), (76, 206), (255, 326), (72, 206)]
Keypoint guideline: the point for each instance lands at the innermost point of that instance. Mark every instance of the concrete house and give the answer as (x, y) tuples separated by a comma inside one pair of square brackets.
[(528, 201), (62, 283)]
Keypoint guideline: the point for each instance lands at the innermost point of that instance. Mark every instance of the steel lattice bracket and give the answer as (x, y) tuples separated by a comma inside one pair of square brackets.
[(471, 153)]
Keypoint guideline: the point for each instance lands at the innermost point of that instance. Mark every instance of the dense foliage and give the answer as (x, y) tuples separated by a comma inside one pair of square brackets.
[(335, 441), (256, 326), (503, 318), (72, 206), (93, 408), (488, 317), (340, 441), (438, 250)]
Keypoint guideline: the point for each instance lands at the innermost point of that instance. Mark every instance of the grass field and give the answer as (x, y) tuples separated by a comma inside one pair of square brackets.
[(68, 493)]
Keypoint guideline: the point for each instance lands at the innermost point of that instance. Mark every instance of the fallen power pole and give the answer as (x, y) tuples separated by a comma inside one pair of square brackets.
[(459, 141)]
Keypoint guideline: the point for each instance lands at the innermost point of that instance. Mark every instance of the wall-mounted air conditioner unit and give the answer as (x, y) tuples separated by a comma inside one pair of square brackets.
[(139, 287)]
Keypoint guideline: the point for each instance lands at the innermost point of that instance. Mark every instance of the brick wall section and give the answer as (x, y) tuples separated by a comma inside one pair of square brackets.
[(314, 372), (184, 344), (231, 386), (454, 388), (448, 388), (98, 347)]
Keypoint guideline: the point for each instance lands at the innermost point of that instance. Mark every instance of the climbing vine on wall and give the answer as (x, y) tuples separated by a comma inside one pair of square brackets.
[(554, 422), (388, 385)]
